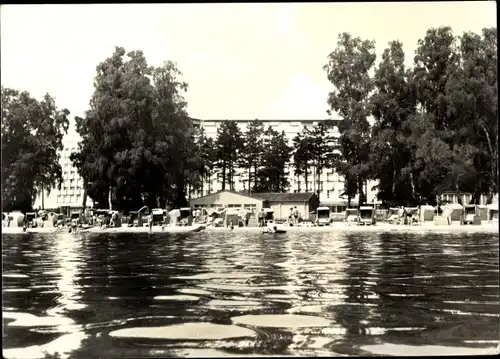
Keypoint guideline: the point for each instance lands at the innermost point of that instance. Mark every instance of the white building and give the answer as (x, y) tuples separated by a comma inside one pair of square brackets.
[(71, 192), (331, 184)]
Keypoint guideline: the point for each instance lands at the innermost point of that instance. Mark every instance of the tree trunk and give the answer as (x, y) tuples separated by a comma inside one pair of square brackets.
[(412, 182), (394, 174), (361, 192), (306, 177), (318, 188), (493, 171), (84, 200), (109, 199), (249, 177), (223, 175), (202, 185), (255, 169)]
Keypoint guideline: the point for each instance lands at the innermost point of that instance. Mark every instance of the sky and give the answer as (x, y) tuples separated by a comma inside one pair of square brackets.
[(241, 61)]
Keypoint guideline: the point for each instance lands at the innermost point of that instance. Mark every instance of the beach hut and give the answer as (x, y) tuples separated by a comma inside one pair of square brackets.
[(493, 212), (174, 215), (323, 216), (158, 216), (351, 215), (366, 215), (412, 215), (471, 214), (393, 215), (231, 218), (15, 219), (427, 213), (453, 212), (482, 212)]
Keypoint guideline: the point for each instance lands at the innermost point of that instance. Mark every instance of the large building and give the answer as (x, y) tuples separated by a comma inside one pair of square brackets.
[(331, 184), (71, 192)]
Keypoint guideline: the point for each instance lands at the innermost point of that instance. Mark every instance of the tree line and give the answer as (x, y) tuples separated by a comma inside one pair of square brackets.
[(417, 130), (435, 124), (261, 156)]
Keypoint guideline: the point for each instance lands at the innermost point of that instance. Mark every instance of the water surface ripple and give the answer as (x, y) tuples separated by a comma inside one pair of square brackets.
[(229, 294)]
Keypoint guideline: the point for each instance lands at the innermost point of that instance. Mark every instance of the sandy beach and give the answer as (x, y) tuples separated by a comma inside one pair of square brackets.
[(335, 227)]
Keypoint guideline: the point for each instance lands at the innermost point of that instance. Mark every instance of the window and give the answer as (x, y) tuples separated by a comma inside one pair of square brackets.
[(233, 206), (328, 194)]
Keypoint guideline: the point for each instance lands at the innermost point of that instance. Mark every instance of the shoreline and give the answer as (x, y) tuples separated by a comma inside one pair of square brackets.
[(335, 228)]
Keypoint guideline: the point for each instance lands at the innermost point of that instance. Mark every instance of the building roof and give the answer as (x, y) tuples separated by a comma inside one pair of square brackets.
[(284, 197), (225, 190)]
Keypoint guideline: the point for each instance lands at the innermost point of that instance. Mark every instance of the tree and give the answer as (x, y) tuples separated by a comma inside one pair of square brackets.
[(322, 146), (393, 104), (472, 97), (32, 133), (348, 71), (229, 144), (302, 156), (137, 140), (251, 153), (176, 152), (273, 176), (435, 61), (207, 156)]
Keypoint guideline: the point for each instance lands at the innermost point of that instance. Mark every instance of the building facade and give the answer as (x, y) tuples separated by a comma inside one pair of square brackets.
[(280, 203), (331, 184), (71, 192)]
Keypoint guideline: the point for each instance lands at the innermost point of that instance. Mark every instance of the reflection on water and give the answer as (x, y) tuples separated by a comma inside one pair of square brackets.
[(227, 294)]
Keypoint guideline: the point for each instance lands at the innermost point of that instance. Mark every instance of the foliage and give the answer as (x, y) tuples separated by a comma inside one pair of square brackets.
[(229, 144), (435, 125), (252, 151), (32, 133), (137, 141), (207, 157), (302, 156), (322, 146), (348, 71), (393, 104), (273, 175)]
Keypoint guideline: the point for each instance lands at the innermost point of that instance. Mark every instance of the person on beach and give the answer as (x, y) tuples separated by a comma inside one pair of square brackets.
[(150, 223), (295, 216), (261, 218), (402, 215)]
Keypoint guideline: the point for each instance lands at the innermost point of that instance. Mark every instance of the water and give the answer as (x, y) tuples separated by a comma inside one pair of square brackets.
[(228, 294)]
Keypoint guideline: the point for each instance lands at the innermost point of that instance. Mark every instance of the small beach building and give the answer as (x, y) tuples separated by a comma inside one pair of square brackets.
[(229, 199), (463, 198), (281, 203), (338, 207)]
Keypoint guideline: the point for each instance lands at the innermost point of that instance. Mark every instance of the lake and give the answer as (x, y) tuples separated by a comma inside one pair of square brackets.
[(230, 294)]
